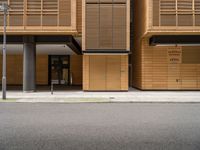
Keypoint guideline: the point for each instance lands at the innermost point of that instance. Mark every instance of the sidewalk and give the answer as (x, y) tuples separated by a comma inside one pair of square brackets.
[(79, 96)]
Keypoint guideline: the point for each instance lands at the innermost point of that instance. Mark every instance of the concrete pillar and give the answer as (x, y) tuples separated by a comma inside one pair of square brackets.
[(29, 64)]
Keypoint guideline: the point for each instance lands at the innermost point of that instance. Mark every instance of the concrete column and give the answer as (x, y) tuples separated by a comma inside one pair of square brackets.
[(29, 64)]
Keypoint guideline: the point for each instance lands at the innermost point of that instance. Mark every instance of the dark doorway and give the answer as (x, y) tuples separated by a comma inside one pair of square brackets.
[(59, 69)]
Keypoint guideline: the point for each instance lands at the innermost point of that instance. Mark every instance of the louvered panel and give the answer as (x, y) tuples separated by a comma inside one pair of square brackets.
[(16, 13), (33, 13), (17, 4), (197, 5), (65, 12), (185, 5), (119, 26), (49, 20), (16, 20), (191, 55), (92, 26), (106, 33), (167, 5), (33, 20), (156, 9), (50, 11), (34, 4), (1, 13), (185, 20), (168, 20), (1, 20), (50, 4), (197, 20), (79, 15), (168, 12)]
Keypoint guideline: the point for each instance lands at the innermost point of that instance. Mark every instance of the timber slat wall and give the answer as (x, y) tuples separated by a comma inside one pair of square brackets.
[(105, 72), (76, 69), (38, 16), (15, 69), (106, 24), (158, 73), (152, 68), (176, 15)]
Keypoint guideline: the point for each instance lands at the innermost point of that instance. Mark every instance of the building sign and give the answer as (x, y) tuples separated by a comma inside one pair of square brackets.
[(174, 55)]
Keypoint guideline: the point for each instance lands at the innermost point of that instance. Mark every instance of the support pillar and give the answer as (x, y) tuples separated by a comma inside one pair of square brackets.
[(29, 64)]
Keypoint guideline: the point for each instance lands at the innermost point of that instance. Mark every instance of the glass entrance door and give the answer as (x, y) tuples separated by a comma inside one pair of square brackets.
[(59, 69)]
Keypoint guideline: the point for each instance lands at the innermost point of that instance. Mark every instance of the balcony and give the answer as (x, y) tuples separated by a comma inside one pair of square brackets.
[(174, 16), (41, 16)]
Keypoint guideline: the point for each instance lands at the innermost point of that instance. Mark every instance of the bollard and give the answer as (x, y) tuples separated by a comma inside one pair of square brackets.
[(51, 88)]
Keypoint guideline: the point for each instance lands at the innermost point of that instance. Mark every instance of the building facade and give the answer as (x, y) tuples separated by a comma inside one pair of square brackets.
[(103, 45), (166, 53)]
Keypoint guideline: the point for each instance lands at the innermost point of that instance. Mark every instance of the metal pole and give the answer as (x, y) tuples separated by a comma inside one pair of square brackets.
[(4, 53)]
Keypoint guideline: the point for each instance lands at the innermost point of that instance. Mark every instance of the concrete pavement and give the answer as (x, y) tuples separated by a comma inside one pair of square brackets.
[(105, 126), (76, 96)]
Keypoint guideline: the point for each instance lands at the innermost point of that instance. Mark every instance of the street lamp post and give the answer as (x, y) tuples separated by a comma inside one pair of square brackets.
[(4, 7)]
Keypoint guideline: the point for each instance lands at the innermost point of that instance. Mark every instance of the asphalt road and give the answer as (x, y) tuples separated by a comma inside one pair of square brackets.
[(109, 126)]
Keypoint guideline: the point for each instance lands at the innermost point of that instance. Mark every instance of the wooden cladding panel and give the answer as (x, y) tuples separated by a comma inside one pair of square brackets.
[(16, 4), (42, 70), (65, 12), (76, 69), (185, 20), (49, 20), (156, 15), (191, 55), (86, 70), (105, 73), (33, 20), (124, 73), (176, 12), (97, 76), (168, 20), (189, 76), (119, 26), (34, 5), (15, 69), (106, 25), (50, 4), (113, 75), (79, 16), (184, 5), (159, 72), (16, 20), (92, 26), (36, 14)]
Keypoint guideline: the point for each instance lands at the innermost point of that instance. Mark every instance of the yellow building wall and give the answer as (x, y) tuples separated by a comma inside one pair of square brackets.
[(15, 69), (168, 68), (105, 72), (76, 69)]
